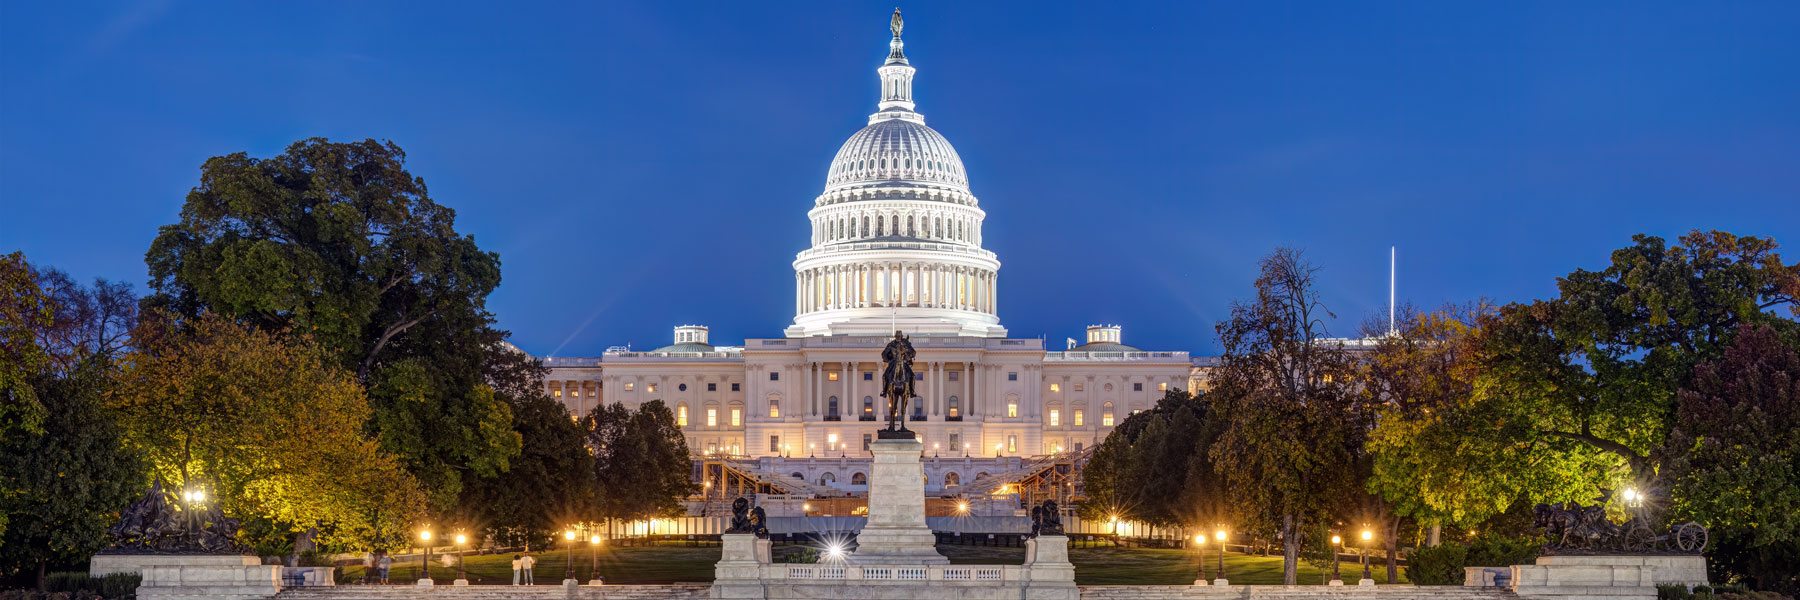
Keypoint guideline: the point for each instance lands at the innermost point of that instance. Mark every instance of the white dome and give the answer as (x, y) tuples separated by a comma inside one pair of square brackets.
[(896, 151)]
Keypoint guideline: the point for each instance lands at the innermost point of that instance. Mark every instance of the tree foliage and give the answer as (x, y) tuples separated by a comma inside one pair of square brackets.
[(24, 310), (338, 242), (269, 426), (548, 487), (1293, 423), (641, 461), (1156, 467)]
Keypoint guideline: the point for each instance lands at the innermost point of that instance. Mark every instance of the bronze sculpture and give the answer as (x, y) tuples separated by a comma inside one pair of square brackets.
[(895, 25), (745, 519), (155, 525), (897, 385), (1045, 520)]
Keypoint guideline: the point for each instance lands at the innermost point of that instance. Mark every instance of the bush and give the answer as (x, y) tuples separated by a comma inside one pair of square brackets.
[(1673, 591), (1495, 550), (1439, 565), (79, 585), (804, 556)]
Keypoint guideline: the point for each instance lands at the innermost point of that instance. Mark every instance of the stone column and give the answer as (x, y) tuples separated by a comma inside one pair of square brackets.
[(938, 390)]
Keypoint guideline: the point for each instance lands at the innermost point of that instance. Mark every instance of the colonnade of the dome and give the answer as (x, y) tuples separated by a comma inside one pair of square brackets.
[(885, 284), (852, 224)]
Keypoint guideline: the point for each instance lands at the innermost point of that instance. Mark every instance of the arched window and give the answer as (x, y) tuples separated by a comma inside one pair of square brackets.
[(869, 407), (918, 411), (859, 479), (1012, 443), (681, 415), (827, 479), (797, 475), (1106, 414), (977, 475), (951, 480), (955, 408), (831, 407)]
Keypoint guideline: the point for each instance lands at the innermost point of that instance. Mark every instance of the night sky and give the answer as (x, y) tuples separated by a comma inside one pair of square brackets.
[(642, 166)]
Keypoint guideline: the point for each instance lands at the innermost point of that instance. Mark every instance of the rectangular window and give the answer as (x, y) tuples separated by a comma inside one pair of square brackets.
[(712, 447), (1055, 387), (629, 386), (1012, 409), (734, 387), (1055, 417), (737, 417), (593, 392), (712, 417), (652, 388), (1078, 420), (712, 387), (955, 441), (866, 442), (774, 376), (953, 375), (681, 416), (1106, 419), (830, 441), (775, 444), (868, 376), (1013, 376), (832, 376), (1137, 387), (1077, 446), (1162, 386), (1012, 443), (557, 394), (1077, 386), (774, 409), (1136, 411)]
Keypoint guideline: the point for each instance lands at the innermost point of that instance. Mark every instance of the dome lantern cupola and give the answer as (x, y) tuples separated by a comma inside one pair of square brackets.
[(896, 80)]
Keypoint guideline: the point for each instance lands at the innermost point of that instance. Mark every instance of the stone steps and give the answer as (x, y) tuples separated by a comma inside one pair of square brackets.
[(1278, 592), (678, 591)]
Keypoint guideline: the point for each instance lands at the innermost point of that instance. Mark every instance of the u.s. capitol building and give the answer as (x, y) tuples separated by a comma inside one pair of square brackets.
[(896, 245)]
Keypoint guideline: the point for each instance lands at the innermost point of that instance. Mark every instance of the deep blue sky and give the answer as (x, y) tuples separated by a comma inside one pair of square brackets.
[(640, 166)]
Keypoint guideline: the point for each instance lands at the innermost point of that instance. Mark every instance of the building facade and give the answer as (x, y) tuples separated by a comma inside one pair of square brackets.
[(896, 245)]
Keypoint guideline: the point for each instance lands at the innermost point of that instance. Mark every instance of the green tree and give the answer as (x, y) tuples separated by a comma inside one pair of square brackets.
[(1735, 455), (548, 487), (338, 242), (24, 310), (1293, 423), (1151, 454), (1598, 367), (270, 427), (641, 461)]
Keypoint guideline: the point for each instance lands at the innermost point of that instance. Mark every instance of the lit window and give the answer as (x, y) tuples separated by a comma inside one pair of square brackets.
[(1055, 387), (955, 440), (1012, 443), (681, 416), (593, 392), (1136, 410), (1012, 409), (651, 388), (831, 376), (1162, 386), (630, 386), (712, 417), (1078, 420), (955, 408), (557, 394), (737, 417), (1055, 417), (830, 440), (1106, 415), (774, 409)]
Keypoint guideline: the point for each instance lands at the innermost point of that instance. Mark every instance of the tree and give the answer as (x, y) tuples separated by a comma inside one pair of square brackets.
[(1599, 365), (269, 427), (547, 487), (339, 243), (641, 461), (1735, 453), (24, 310), (1151, 454), (66, 478), (1293, 424)]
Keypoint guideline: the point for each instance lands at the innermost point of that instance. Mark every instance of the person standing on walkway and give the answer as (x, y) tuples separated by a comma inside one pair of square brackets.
[(527, 563), (515, 565), (384, 563)]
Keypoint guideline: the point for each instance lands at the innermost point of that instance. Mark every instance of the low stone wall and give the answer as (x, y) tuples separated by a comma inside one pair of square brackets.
[(193, 576), (745, 573), (1667, 569)]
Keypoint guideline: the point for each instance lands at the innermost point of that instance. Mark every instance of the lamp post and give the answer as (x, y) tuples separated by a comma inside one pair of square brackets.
[(569, 571), (594, 571), (462, 577), (1220, 535), (1366, 579), (425, 540), (1200, 543), (1336, 543)]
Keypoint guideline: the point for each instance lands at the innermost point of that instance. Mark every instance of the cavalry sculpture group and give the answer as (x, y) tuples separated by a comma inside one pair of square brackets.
[(155, 525), (1574, 529)]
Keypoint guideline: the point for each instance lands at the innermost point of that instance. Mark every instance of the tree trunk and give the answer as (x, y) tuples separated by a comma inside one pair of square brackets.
[(1431, 539), (1290, 550), (40, 575), (1392, 544)]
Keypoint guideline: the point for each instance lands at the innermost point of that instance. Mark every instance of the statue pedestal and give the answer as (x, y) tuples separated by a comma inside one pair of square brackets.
[(739, 572), (193, 576), (896, 533)]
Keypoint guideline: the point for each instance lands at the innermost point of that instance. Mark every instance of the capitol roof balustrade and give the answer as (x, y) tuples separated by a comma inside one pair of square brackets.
[(895, 245), (918, 341), (1081, 356), (571, 361)]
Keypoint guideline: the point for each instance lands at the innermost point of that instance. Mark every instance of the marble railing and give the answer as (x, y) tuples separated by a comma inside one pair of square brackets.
[(895, 572)]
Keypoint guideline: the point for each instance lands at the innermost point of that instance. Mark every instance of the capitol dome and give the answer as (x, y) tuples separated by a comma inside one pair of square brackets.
[(896, 151)]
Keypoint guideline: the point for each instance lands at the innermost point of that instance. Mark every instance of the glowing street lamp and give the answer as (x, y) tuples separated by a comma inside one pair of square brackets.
[(1337, 543), (425, 540), (594, 571), (1220, 536), (462, 577), (1366, 536), (1200, 544), (569, 571)]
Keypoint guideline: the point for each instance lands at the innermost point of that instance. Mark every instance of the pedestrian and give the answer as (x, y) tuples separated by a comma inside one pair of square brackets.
[(384, 563), (527, 563), (516, 564)]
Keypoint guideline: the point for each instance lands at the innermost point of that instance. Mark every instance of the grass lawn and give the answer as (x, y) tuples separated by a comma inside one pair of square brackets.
[(1093, 566)]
